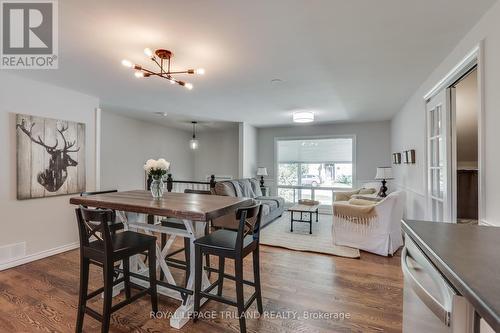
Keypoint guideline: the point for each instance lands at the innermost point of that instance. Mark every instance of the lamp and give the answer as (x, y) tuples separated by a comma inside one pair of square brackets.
[(261, 172), (383, 173), (193, 143)]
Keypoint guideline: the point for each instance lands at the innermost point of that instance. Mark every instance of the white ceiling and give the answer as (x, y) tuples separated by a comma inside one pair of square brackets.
[(349, 60)]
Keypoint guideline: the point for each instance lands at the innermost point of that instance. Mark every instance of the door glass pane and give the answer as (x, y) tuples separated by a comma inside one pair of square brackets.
[(435, 121), (435, 177), (437, 183), (441, 183), (432, 123), (434, 152), (437, 211), (442, 157)]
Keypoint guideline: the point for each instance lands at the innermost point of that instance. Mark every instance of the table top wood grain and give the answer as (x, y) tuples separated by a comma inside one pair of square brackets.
[(195, 207)]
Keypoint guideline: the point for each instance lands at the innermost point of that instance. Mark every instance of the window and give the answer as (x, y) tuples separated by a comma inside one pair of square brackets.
[(313, 168)]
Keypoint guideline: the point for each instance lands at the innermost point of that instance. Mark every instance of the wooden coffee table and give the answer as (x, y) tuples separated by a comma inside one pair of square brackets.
[(303, 209)]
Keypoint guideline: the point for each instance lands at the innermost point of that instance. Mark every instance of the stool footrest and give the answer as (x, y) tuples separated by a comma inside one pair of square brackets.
[(94, 314), (229, 277), (218, 298), (140, 294), (101, 290)]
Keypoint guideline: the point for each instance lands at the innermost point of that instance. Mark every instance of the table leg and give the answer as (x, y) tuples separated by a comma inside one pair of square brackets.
[(291, 221), (182, 314), (317, 212), (310, 223)]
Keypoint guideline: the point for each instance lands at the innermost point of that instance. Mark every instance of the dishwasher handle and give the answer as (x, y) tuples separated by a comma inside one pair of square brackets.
[(430, 301)]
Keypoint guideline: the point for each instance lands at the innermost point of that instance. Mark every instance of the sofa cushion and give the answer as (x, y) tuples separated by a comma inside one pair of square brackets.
[(266, 209), (245, 188), (272, 204), (367, 191), (280, 202), (256, 187), (224, 188)]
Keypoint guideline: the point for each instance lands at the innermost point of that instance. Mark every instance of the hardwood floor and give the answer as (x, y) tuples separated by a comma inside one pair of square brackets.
[(42, 297)]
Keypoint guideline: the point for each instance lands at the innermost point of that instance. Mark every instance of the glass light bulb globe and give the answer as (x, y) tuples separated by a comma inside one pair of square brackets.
[(189, 86), (193, 144), (139, 74), (200, 71), (127, 63), (148, 52)]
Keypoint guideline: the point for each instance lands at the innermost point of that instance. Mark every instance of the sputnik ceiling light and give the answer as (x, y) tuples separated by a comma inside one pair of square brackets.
[(162, 59)]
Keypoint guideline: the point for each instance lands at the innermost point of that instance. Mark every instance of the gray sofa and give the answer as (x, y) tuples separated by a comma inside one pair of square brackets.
[(272, 207)]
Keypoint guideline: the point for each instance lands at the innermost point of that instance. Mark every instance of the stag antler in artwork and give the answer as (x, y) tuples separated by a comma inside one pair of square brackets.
[(55, 175)]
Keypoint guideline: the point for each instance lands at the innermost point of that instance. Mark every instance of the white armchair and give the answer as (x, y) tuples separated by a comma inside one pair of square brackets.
[(380, 235)]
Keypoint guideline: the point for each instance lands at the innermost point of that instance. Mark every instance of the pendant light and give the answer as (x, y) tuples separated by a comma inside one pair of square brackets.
[(193, 143)]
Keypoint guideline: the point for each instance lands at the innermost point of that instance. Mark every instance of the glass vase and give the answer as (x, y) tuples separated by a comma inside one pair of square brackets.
[(157, 187)]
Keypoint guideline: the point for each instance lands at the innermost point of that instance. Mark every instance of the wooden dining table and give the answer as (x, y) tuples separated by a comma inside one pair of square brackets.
[(194, 210)]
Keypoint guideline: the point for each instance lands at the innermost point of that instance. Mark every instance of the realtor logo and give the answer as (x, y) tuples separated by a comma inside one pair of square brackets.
[(29, 34)]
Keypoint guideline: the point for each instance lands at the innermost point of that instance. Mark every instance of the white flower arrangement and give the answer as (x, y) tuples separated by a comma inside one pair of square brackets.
[(157, 168)]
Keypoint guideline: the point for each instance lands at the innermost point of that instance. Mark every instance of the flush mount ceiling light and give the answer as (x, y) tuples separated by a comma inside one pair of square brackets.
[(162, 59), (303, 117), (193, 143)]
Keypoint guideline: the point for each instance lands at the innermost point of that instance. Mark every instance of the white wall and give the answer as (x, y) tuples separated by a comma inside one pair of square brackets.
[(247, 151), (372, 145), (46, 223), (127, 143), (408, 128), (218, 153)]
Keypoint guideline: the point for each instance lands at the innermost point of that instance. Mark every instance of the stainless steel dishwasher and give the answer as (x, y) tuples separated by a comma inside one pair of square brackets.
[(430, 304)]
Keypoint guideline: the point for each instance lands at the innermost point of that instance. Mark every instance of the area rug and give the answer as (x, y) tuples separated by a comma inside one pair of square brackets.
[(321, 241)]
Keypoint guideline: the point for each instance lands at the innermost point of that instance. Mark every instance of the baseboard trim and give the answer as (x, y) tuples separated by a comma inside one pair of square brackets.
[(484, 222), (38, 256)]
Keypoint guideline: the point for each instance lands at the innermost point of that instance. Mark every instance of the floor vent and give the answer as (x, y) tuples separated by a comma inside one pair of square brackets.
[(12, 252)]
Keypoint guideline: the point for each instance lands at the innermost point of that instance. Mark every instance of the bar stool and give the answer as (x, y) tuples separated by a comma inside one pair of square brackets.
[(233, 245), (104, 252)]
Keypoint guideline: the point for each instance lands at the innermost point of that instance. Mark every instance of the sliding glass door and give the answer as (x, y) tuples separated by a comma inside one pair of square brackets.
[(313, 168)]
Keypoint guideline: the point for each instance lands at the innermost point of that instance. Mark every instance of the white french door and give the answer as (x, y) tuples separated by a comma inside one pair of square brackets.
[(438, 156)]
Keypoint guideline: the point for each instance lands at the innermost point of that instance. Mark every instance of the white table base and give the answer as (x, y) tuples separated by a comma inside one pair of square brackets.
[(194, 230)]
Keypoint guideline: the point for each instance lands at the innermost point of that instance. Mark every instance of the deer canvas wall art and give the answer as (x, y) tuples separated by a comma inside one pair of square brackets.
[(50, 157)]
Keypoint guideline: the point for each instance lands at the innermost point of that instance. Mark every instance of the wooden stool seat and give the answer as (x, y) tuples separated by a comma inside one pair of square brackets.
[(223, 240), (124, 245)]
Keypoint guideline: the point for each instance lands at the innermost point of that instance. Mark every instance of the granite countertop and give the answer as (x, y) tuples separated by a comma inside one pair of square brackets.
[(468, 256)]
